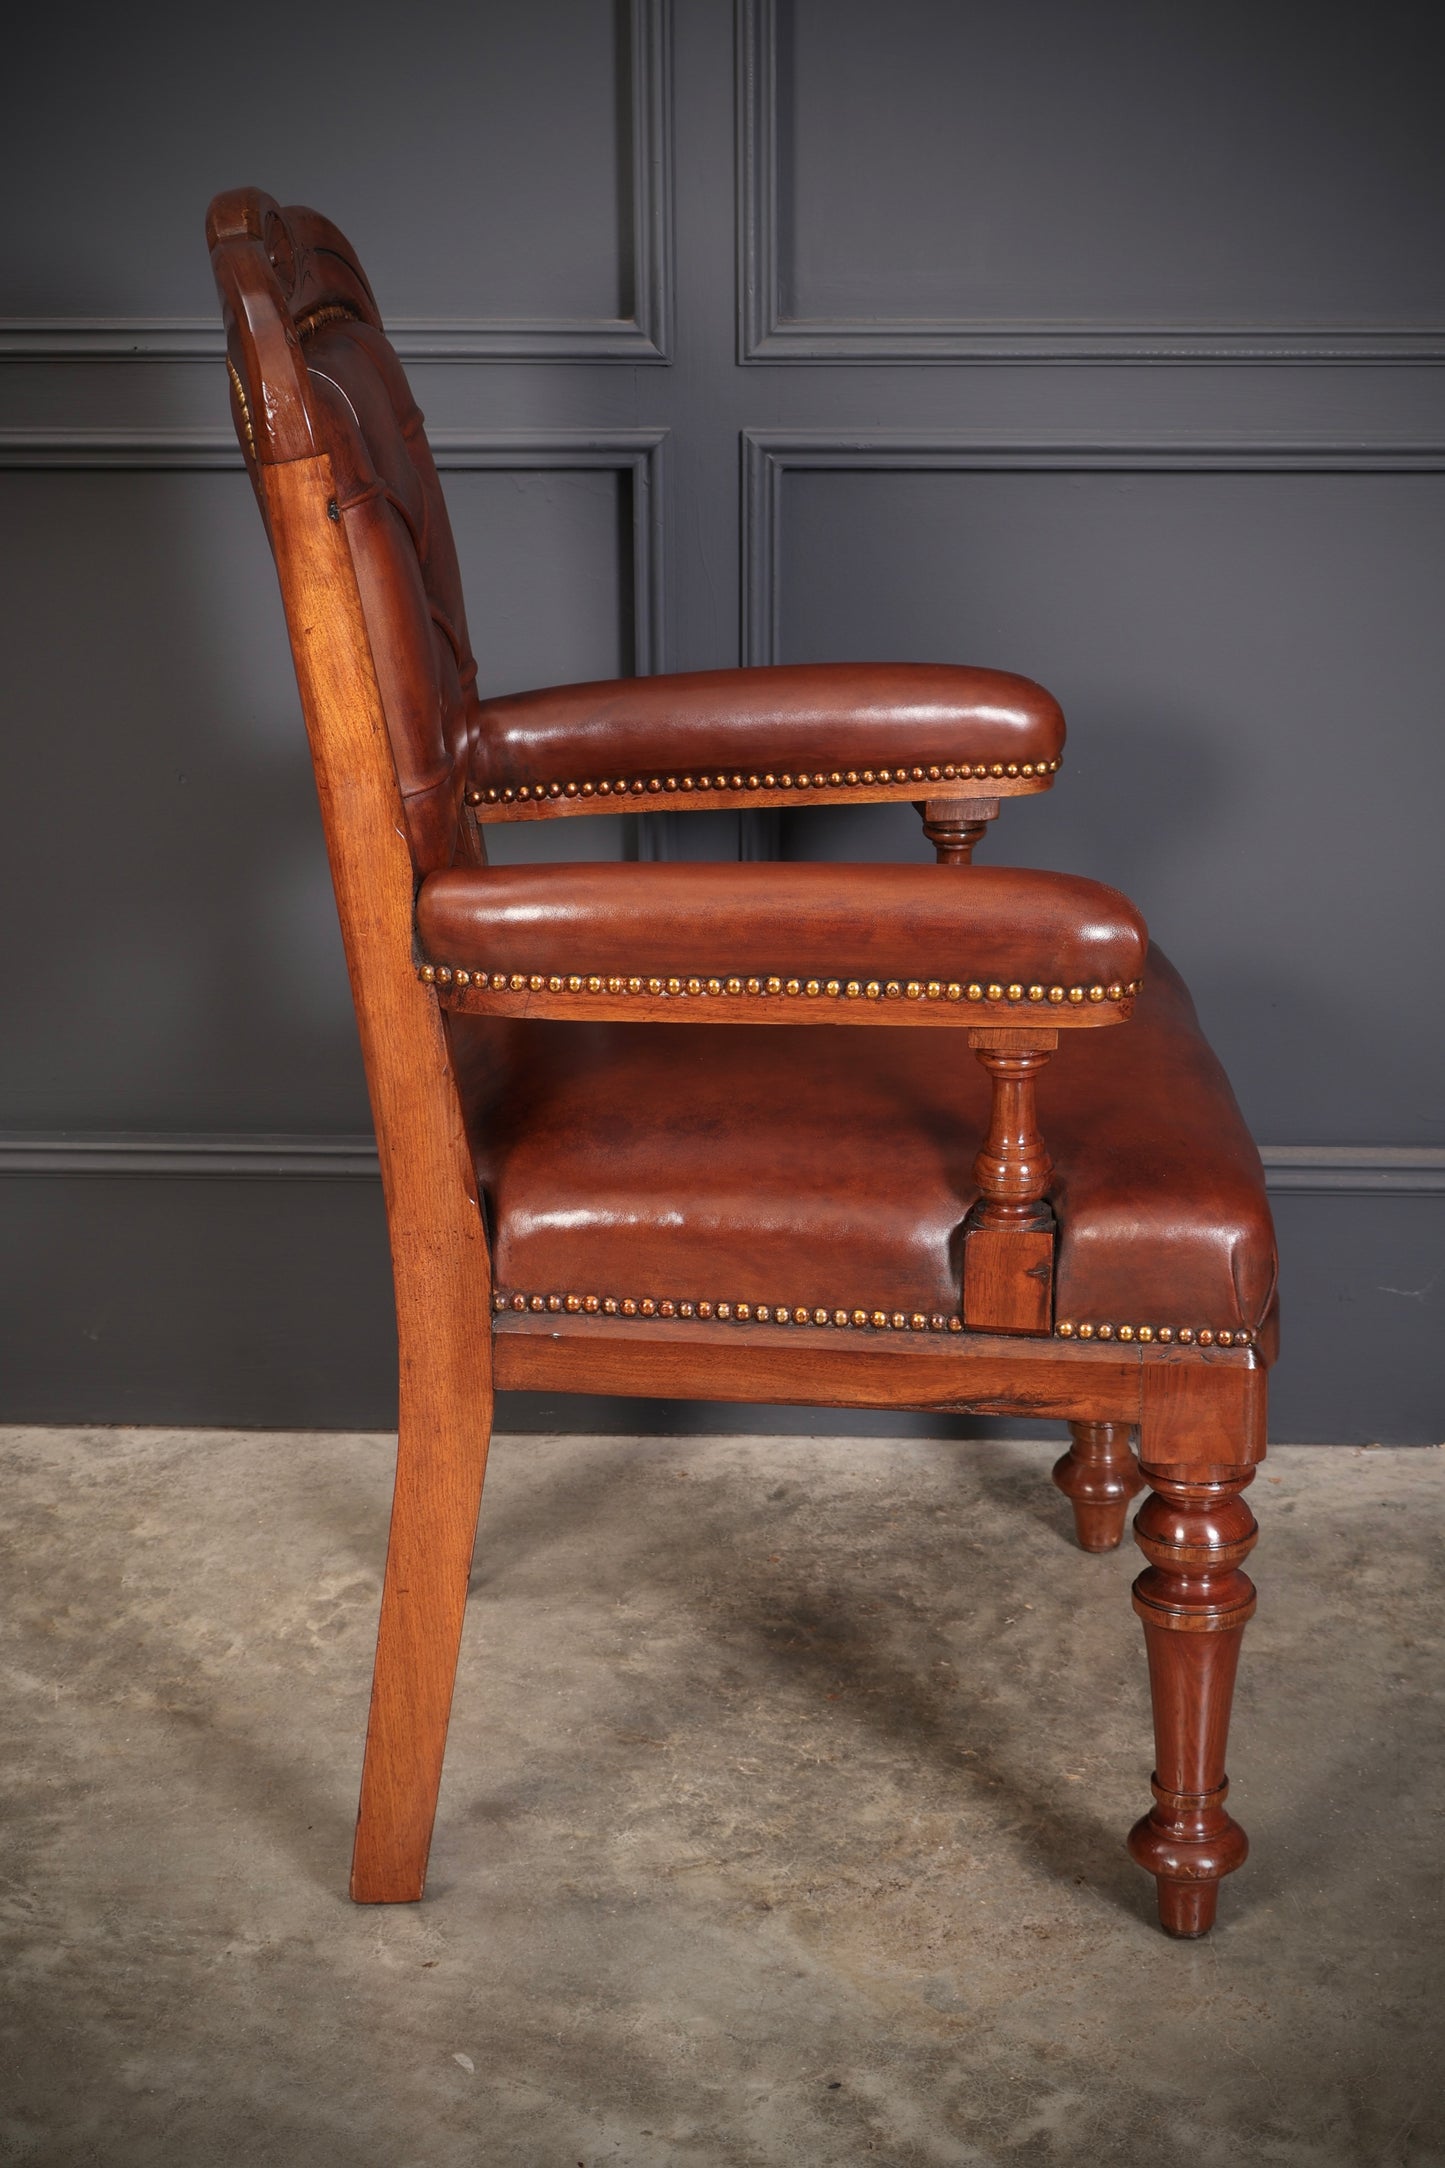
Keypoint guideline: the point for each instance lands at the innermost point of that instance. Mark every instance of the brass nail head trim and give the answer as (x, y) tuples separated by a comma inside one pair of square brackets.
[(822, 1317), (1158, 1335), (774, 984), (886, 777)]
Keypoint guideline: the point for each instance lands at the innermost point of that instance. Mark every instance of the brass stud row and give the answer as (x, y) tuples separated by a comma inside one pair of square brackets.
[(725, 1313), (815, 779), (972, 990), (1159, 1335), (782, 1313)]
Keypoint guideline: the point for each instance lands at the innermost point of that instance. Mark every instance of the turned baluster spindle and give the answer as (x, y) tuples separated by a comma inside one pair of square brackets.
[(1009, 1234), (1099, 1475), (1013, 1166), (954, 825), (1194, 1599)]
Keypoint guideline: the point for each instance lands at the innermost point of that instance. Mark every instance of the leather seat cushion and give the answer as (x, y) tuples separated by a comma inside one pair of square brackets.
[(832, 1169)]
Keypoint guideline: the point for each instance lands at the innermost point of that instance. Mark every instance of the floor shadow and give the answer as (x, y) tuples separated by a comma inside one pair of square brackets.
[(822, 1641)]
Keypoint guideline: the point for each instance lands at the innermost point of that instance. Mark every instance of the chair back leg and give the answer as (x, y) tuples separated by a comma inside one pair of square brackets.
[(1099, 1475), (444, 1431)]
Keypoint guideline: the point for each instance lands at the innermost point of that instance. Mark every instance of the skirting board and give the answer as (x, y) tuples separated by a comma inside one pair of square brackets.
[(1317, 1169), (242, 1282)]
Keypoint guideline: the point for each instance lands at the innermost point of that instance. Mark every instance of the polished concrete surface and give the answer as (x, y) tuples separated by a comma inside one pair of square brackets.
[(783, 1821)]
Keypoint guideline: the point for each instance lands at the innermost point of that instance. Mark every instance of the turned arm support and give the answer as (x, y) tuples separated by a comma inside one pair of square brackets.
[(793, 734), (771, 943), (1008, 1251), (955, 825)]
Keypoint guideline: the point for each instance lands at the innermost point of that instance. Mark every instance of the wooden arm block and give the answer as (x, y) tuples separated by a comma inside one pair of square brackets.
[(1008, 1279)]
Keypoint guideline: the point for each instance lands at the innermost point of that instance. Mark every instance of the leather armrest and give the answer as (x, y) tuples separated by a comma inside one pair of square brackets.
[(1028, 947), (820, 728)]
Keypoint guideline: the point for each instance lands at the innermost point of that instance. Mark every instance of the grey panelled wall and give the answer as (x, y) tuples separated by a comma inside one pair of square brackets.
[(1101, 343)]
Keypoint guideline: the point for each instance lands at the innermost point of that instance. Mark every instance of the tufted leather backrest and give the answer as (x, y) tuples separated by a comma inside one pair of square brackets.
[(312, 371)]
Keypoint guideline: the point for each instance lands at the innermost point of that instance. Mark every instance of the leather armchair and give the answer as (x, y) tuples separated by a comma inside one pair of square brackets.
[(600, 1175)]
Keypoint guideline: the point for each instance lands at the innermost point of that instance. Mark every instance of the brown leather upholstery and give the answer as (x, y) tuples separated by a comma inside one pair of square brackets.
[(830, 1169), (649, 1189), (390, 500), (817, 716), (357, 407), (915, 922)]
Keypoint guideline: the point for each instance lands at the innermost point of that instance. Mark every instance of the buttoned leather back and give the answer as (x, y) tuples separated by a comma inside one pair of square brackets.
[(312, 370)]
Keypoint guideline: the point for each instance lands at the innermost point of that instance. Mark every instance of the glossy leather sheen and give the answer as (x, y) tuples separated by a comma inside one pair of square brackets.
[(390, 500), (815, 715), (827, 1167), (313, 371), (903, 921)]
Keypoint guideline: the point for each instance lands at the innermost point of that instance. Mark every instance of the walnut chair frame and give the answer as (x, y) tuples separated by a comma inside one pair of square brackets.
[(1192, 1395)]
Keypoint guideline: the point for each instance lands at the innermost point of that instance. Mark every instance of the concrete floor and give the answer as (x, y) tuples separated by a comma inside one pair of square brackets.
[(782, 1824)]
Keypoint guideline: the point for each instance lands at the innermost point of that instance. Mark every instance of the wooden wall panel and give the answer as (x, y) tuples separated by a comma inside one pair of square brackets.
[(1173, 601), (1046, 182), (531, 142), (1211, 517), (184, 970)]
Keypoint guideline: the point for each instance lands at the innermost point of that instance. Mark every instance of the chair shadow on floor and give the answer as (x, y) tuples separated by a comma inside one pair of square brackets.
[(827, 1643)]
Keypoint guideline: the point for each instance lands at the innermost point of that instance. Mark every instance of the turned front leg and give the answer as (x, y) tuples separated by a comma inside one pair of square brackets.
[(1194, 1599), (1099, 1475)]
